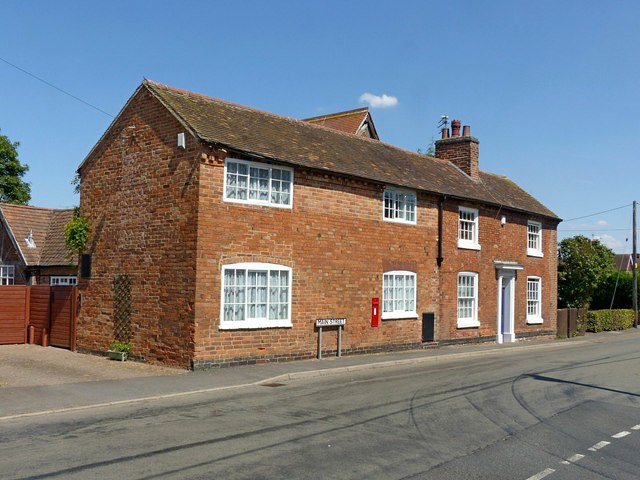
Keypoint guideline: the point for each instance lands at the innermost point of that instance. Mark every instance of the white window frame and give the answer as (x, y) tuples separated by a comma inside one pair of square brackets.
[(399, 208), (272, 181), (466, 321), (7, 274), (468, 243), (63, 280), (536, 250), (409, 300), (261, 322), (534, 300)]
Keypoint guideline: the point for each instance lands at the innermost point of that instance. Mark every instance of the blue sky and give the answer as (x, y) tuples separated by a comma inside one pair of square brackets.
[(550, 88)]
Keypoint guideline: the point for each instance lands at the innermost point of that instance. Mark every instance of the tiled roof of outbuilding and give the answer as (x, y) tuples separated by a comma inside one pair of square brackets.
[(47, 228), (300, 143), (349, 121)]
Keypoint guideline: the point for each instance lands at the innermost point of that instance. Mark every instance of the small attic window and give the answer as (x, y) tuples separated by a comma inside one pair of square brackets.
[(30, 241)]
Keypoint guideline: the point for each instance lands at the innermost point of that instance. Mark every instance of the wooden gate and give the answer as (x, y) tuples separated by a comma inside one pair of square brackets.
[(14, 314), (62, 317), (48, 309)]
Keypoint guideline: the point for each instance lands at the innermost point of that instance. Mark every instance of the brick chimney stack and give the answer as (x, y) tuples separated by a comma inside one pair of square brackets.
[(462, 151)]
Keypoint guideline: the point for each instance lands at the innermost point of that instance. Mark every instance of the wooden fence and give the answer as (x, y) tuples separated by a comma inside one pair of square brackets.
[(49, 313), (571, 322)]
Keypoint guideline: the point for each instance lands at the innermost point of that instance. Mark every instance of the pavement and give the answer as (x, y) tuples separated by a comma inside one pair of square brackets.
[(36, 381)]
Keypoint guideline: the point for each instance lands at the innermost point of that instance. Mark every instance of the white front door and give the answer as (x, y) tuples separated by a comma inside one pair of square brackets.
[(506, 294)]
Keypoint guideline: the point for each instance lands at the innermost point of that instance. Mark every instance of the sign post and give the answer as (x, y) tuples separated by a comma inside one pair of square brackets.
[(330, 322)]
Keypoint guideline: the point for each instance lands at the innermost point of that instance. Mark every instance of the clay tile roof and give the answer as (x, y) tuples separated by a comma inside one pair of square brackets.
[(296, 142), (349, 122), (46, 226)]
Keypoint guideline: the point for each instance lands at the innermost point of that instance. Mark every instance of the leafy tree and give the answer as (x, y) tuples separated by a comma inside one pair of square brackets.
[(430, 150), (12, 188), (76, 234), (583, 265), (616, 291), (75, 181)]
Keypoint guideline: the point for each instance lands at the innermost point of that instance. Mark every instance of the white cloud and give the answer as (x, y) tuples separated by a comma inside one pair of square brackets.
[(611, 242), (602, 223), (378, 101)]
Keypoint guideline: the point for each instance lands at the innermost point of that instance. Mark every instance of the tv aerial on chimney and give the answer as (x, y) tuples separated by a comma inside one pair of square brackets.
[(444, 121)]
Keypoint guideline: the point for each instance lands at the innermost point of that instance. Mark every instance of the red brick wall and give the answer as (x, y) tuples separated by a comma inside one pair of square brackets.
[(9, 256), (506, 242), (338, 246), (139, 192)]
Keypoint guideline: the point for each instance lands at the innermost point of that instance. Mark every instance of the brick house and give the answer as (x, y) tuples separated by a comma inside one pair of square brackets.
[(223, 233), (32, 249)]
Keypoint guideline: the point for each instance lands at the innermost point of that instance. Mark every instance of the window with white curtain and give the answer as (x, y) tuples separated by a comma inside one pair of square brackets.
[(258, 183), (399, 206), (534, 300), (7, 274), (468, 300), (255, 295), (399, 295)]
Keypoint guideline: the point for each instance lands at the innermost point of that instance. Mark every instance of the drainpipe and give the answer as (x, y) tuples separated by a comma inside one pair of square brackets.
[(440, 221)]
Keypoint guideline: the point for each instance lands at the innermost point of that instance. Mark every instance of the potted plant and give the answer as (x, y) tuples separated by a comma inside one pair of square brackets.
[(119, 350)]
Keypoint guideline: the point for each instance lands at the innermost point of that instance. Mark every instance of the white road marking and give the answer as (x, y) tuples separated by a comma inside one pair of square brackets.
[(599, 445), (572, 459), (577, 457), (542, 474)]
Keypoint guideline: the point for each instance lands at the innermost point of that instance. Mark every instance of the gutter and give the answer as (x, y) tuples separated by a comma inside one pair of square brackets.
[(440, 258)]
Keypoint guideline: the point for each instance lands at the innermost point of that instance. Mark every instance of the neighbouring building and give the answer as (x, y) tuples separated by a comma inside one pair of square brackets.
[(222, 233), (624, 261), (32, 248)]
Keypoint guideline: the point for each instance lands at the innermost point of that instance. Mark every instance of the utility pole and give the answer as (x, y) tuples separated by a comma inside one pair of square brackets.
[(635, 269)]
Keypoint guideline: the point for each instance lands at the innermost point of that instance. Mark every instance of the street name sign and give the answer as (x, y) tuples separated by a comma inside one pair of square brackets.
[(331, 322)]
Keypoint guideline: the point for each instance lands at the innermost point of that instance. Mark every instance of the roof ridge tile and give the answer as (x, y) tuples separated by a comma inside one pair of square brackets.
[(312, 145)]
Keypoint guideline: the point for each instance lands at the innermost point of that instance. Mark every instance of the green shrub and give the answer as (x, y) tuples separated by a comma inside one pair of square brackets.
[(118, 346), (609, 320), (619, 282), (76, 234)]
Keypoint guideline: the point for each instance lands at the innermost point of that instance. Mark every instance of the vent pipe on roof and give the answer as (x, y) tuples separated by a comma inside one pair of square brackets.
[(30, 242)]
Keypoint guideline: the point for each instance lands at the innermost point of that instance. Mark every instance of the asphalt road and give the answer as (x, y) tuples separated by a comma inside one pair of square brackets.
[(518, 414)]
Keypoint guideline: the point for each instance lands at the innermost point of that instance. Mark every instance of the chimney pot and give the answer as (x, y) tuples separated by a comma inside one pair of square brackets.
[(455, 128), (445, 133), (466, 131)]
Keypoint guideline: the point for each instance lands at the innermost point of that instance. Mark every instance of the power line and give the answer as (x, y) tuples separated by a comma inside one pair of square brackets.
[(57, 88), (598, 213), (595, 229)]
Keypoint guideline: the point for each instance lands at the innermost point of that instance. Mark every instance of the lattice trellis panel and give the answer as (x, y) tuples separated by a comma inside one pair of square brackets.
[(122, 308)]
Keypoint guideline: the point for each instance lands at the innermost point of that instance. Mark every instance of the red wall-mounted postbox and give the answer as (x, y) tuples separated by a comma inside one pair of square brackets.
[(375, 312)]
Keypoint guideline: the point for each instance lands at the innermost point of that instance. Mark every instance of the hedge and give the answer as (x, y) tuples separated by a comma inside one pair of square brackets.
[(608, 320)]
